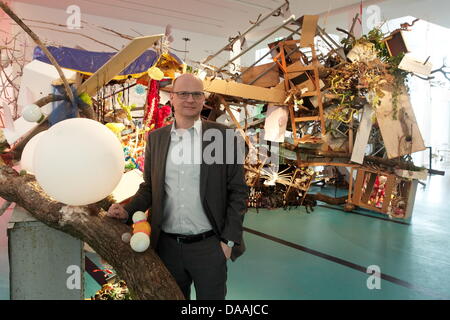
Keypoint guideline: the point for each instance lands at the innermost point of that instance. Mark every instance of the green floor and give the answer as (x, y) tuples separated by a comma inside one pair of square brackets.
[(325, 254), (414, 258)]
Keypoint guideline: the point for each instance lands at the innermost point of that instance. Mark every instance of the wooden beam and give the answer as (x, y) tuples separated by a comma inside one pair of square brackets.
[(362, 137)]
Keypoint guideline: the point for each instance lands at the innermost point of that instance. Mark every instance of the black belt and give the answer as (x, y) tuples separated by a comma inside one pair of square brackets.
[(182, 238)]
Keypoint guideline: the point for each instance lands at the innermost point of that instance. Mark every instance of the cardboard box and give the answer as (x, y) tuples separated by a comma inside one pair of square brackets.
[(384, 193), (396, 44)]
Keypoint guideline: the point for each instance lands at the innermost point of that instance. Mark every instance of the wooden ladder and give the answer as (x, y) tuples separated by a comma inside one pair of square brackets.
[(314, 67)]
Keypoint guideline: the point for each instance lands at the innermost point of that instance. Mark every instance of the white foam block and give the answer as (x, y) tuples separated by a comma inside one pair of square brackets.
[(411, 64), (37, 80), (36, 83)]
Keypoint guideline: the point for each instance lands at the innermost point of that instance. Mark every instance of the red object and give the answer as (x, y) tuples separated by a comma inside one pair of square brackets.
[(153, 113), (102, 270)]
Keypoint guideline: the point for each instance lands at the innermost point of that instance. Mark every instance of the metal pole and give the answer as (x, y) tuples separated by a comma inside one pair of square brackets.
[(290, 20), (338, 49), (246, 32), (270, 51)]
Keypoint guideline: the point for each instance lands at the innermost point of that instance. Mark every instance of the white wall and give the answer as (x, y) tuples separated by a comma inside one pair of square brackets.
[(435, 11)]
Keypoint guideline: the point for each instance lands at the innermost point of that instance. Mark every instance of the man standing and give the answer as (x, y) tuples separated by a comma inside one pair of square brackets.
[(197, 199)]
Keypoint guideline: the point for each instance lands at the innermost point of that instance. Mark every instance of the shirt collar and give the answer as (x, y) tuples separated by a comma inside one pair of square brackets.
[(197, 127)]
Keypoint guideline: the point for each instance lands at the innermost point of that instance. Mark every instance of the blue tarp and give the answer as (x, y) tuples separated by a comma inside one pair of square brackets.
[(88, 62)]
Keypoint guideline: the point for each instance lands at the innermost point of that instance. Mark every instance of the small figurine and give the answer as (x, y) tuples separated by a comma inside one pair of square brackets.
[(140, 241)]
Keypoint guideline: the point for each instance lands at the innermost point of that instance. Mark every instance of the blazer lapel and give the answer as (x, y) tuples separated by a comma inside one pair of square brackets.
[(161, 153), (203, 167)]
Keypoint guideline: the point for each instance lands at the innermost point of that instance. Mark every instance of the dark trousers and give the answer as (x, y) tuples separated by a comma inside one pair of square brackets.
[(202, 263)]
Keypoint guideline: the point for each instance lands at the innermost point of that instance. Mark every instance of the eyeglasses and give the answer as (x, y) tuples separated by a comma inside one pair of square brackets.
[(184, 95)]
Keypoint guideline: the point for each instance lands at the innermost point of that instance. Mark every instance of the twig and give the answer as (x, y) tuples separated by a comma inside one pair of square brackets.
[(347, 33), (441, 70), (80, 34), (33, 36)]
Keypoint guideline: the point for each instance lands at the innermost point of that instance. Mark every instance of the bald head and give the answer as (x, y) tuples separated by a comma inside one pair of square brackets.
[(187, 80), (187, 99)]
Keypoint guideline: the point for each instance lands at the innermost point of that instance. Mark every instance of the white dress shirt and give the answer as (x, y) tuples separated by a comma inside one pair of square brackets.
[(183, 210)]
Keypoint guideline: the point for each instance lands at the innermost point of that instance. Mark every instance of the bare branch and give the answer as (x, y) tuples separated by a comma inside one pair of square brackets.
[(145, 274), (33, 36)]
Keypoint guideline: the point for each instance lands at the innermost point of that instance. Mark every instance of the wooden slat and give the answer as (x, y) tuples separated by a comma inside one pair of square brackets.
[(232, 88), (362, 136), (304, 119), (309, 30), (389, 187), (396, 131), (310, 94), (117, 63), (369, 189), (331, 164), (358, 187), (297, 67)]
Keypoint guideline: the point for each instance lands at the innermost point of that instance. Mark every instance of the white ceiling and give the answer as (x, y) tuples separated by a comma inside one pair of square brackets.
[(221, 18)]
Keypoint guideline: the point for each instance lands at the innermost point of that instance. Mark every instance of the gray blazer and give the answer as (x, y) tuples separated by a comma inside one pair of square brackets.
[(222, 189)]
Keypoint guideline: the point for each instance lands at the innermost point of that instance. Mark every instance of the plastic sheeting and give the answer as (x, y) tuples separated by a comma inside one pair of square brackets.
[(88, 62)]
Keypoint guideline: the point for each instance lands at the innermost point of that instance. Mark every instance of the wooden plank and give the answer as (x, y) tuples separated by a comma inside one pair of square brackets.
[(369, 188), (299, 67), (117, 63), (270, 79), (411, 198), (318, 87), (238, 126), (350, 186), (419, 175), (401, 136), (331, 164), (362, 137), (303, 119), (310, 94), (388, 188), (358, 187), (309, 29), (232, 88)]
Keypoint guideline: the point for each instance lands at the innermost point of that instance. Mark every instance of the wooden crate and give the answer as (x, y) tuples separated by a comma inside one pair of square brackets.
[(384, 193)]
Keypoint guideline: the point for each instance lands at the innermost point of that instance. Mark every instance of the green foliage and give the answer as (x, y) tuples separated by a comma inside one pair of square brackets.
[(86, 98), (400, 77), (376, 37)]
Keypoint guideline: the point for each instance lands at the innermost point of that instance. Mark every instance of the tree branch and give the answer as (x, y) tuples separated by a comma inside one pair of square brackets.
[(144, 273), (33, 36)]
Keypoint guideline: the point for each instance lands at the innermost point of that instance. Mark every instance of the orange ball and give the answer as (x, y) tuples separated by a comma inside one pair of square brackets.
[(143, 226)]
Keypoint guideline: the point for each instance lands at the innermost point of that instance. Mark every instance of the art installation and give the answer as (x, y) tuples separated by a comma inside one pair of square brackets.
[(336, 115)]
